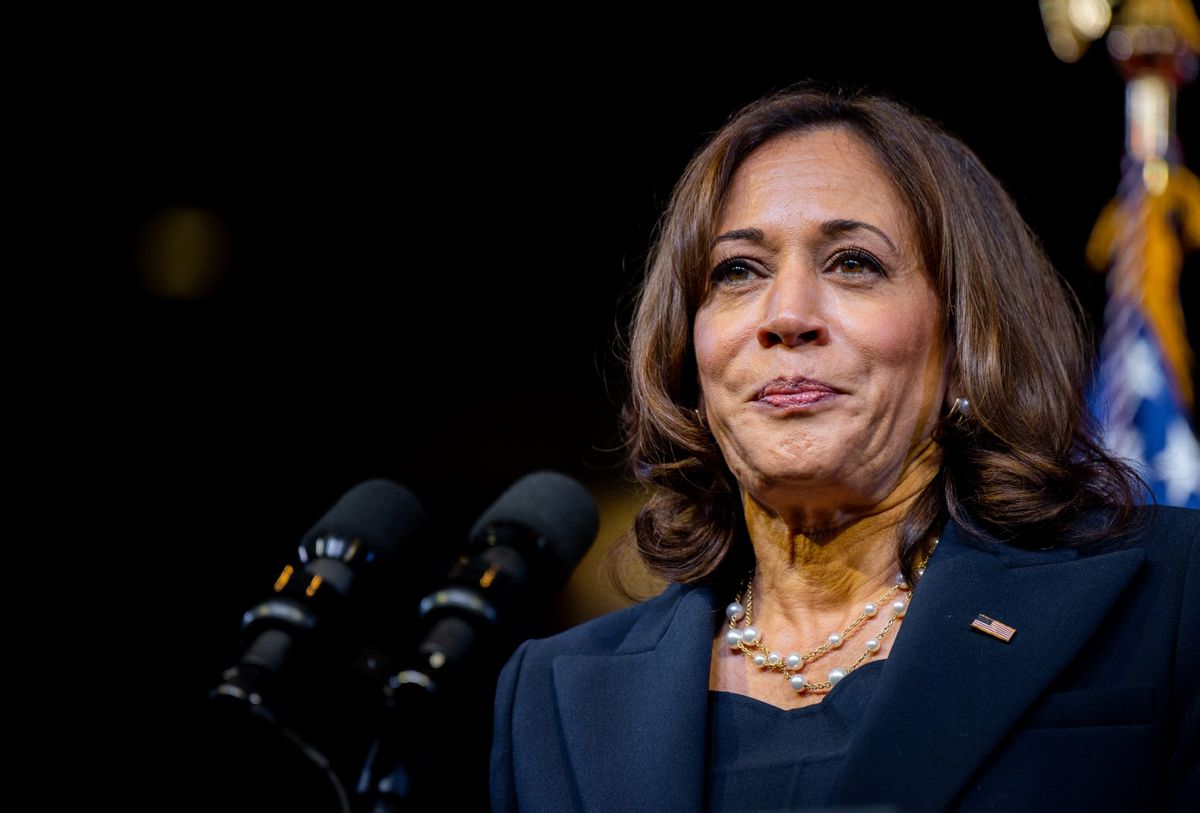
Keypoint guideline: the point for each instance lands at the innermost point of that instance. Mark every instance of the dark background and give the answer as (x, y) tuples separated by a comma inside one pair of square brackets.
[(431, 238)]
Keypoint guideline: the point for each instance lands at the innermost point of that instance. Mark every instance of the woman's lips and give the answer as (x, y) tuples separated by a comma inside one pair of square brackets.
[(795, 392)]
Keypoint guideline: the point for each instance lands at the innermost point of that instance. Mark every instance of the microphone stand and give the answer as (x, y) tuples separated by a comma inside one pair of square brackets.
[(404, 767)]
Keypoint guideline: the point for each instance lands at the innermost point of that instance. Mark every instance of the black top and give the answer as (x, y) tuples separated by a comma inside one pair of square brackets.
[(761, 757)]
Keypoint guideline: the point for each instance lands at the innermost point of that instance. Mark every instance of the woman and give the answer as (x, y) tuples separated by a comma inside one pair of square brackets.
[(851, 361)]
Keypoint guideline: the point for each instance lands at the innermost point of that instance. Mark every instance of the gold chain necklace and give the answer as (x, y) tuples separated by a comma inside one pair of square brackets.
[(749, 639)]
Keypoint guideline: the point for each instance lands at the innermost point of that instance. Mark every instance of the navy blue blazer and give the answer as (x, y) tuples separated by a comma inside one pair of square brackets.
[(1093, 705)]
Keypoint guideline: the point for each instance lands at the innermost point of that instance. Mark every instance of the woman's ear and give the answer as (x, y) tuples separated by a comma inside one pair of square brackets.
[(950, 375), (957, 408)]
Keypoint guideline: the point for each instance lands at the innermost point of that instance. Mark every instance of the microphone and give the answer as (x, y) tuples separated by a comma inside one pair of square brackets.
[(520, 553), (296, 640), (353, 543)]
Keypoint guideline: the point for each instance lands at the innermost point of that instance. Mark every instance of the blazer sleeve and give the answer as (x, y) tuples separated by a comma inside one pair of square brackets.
[(501, 781)]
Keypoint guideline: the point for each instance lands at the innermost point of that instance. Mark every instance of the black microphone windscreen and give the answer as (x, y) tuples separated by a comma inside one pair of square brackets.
[(553, 505), (380, 513)]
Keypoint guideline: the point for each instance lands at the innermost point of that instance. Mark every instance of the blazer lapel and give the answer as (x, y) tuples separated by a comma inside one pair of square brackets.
[(635, 722), (948, 693)]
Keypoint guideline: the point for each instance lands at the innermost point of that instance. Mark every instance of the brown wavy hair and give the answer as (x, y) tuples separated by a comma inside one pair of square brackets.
[(1028, 459)]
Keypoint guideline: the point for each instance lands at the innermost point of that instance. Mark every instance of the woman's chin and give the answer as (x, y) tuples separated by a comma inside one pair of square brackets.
[(797, 488), (772, 475)]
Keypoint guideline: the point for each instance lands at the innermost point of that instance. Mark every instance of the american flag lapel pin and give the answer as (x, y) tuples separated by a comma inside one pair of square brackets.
[(994, 628)]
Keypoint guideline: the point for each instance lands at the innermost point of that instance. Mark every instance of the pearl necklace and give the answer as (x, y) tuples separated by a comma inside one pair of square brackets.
[(749, 639)]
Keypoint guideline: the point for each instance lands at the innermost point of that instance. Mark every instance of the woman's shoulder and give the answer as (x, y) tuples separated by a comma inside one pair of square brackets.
[(1166, 539), (1169, 536), (1171, 520), (1164, 531), (1157, 530)]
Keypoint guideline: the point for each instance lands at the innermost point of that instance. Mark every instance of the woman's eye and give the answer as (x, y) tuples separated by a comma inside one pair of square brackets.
[(733, 271), (856, 263)]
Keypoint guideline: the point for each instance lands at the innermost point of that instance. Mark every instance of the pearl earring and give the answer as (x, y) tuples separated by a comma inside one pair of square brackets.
[(960, 411)]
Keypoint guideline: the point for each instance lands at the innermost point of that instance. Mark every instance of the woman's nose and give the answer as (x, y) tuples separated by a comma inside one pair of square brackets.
[(793, 312)]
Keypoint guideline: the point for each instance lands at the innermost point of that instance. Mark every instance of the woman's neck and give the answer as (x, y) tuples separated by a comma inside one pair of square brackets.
[(800, 574), (807, 569)]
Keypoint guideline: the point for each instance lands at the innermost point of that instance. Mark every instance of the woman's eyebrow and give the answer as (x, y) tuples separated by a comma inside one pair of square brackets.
[(753, 235), (830, 228)]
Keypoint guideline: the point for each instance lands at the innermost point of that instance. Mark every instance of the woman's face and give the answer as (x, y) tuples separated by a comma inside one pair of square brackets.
[(821, 361)]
